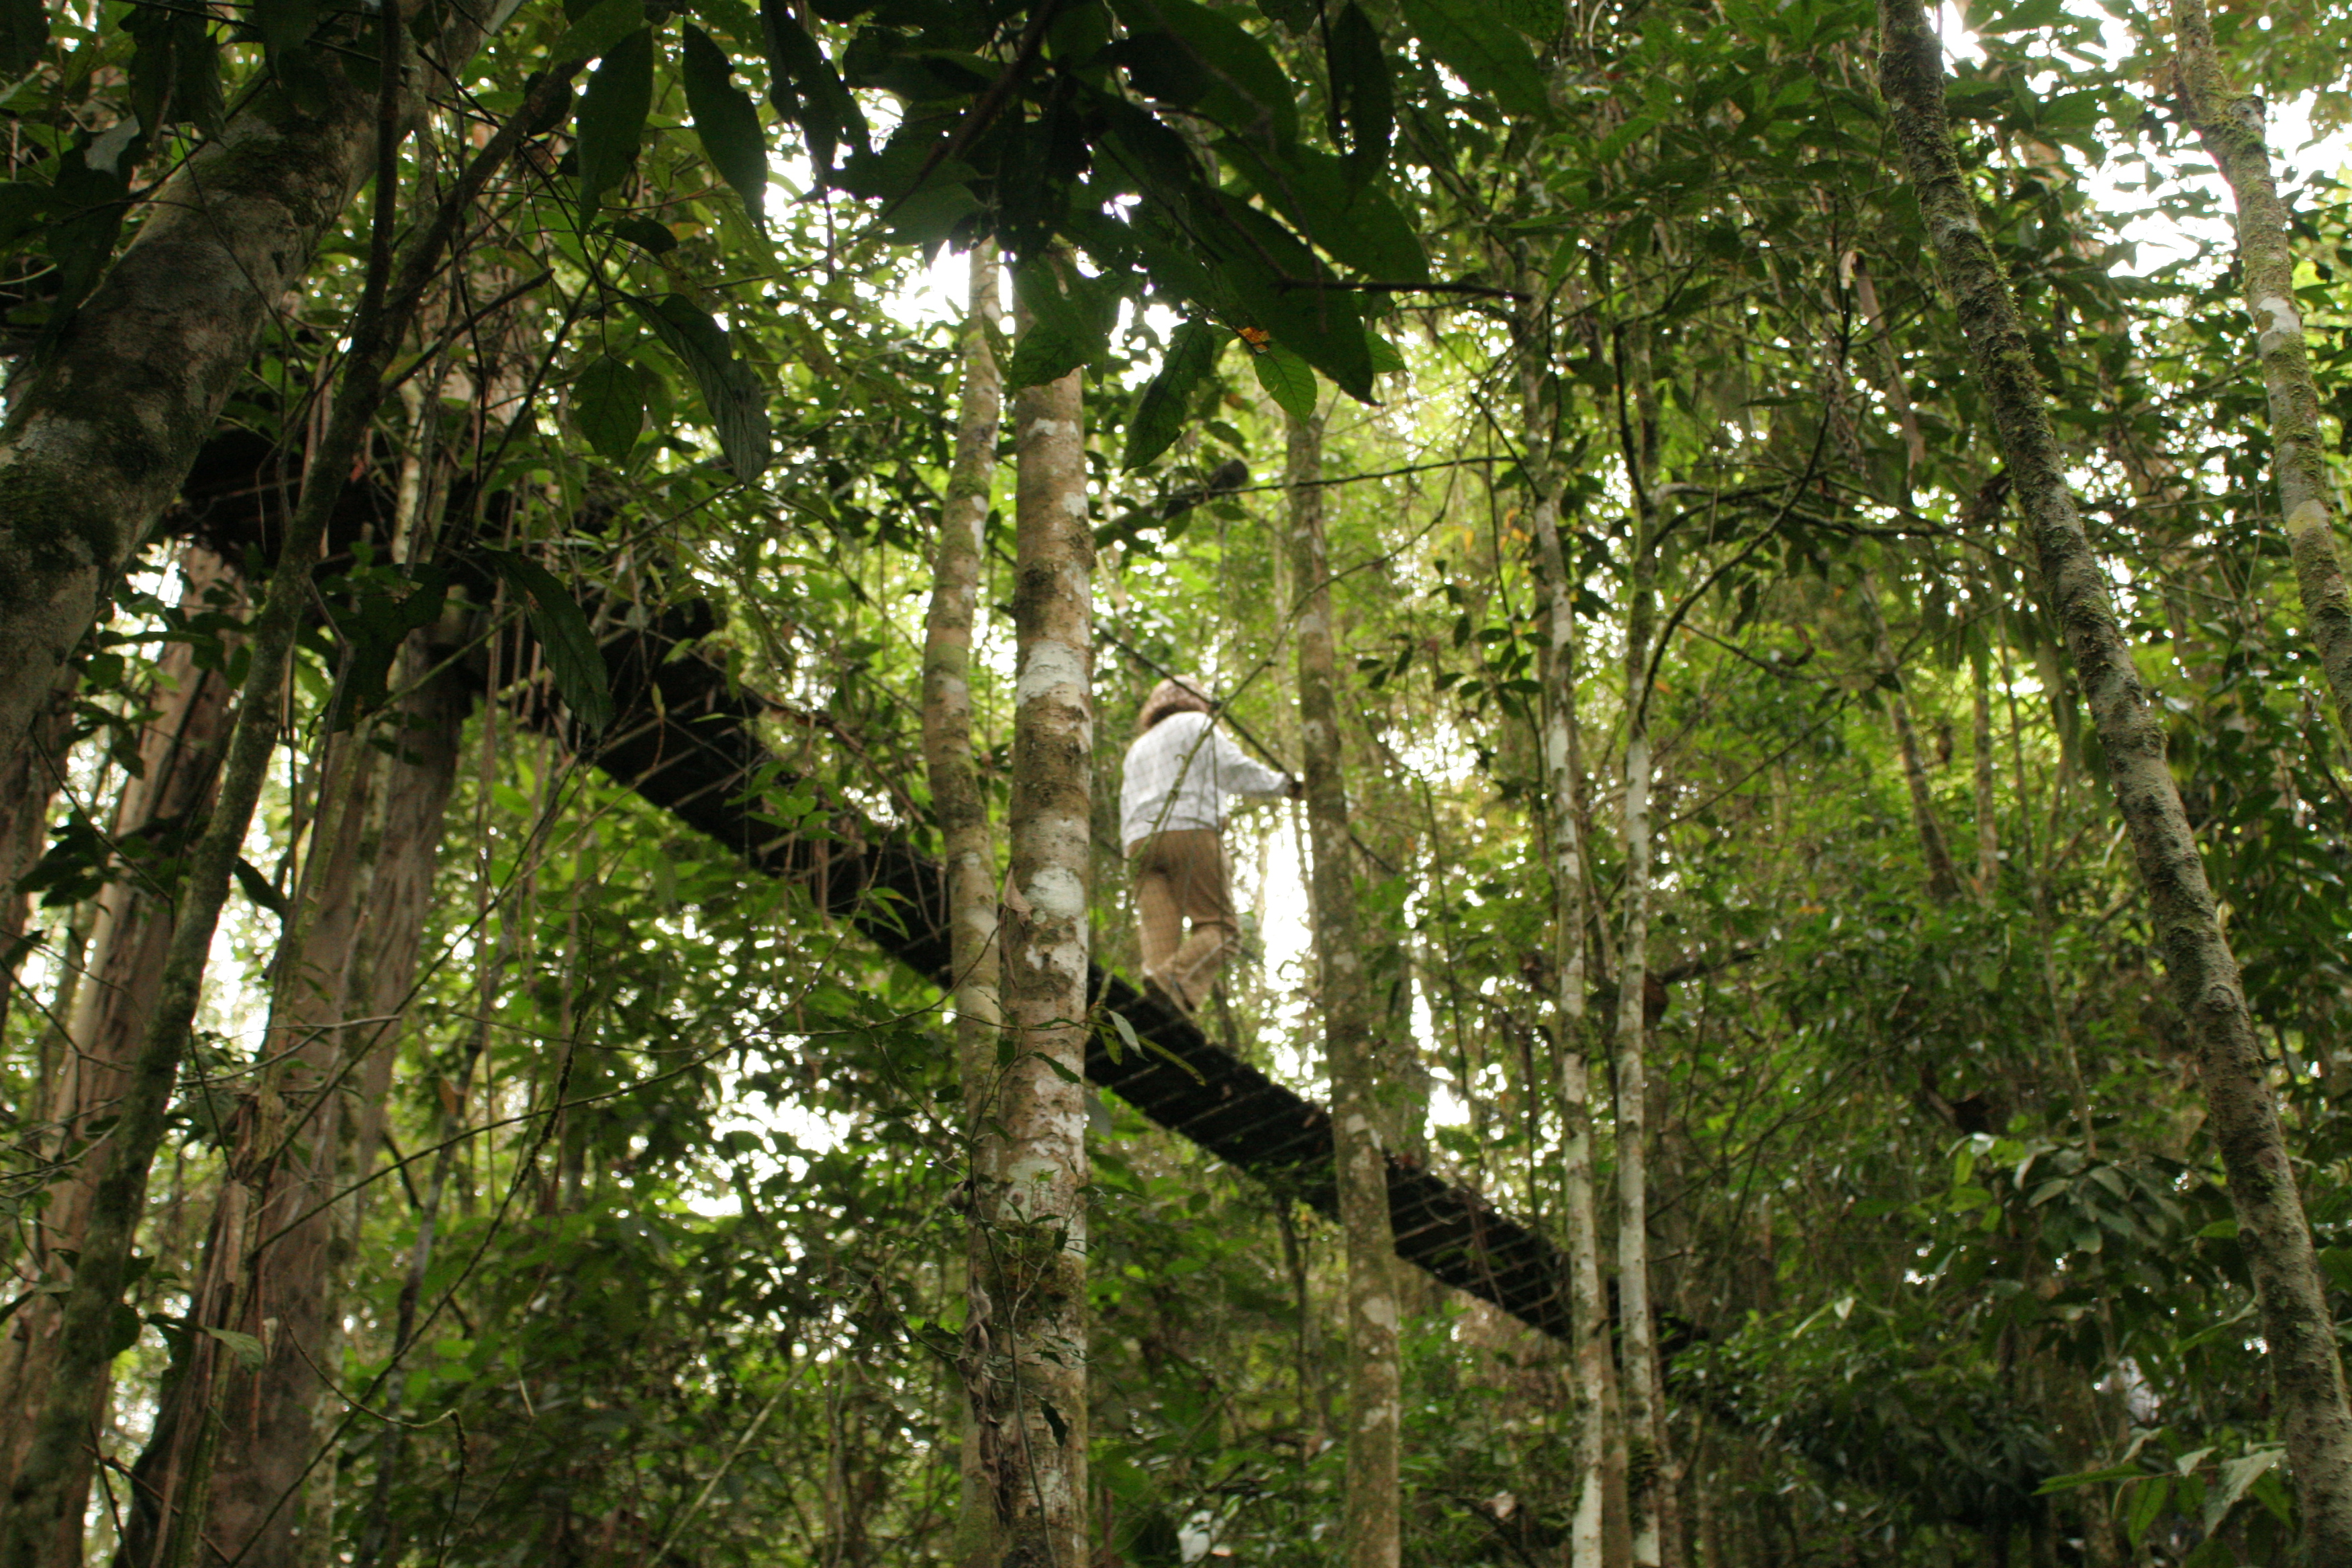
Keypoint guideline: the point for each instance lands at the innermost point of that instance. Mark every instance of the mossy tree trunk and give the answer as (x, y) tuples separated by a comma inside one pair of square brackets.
[(2231, 125), (1032, 1182), (104, 426), (2298, 1326), (962, 813), (1352, 1032)]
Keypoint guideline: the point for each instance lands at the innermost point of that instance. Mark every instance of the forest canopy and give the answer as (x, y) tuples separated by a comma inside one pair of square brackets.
[(576, 582)]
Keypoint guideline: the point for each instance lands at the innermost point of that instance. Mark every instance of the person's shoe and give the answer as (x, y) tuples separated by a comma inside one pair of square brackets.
[(1166, 995)]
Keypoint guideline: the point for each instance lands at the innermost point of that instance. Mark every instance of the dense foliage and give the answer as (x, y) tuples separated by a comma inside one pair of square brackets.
[(650, 1195)]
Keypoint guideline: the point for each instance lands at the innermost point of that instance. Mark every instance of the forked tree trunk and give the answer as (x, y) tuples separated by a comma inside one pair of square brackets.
[(101, 430), (1032, 1197), (55, 1472), (1943, 876), (180, 754), (1352, 1037), (1563, 777), (962, 813), (2297, 1325), (233, 1444), (284, 1233), (2231, 125)]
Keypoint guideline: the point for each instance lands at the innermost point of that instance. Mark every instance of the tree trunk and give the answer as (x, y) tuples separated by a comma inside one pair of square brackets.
[(2231, 126), (28, 784), (1351, 1038), (1988, 818), (962, 813), (57, 1464), (102, 429), (2296, 1324), (233, 1443), (180, 754), (1033, 1179), (1643, 1407), (1563, 777), (1943, 876)]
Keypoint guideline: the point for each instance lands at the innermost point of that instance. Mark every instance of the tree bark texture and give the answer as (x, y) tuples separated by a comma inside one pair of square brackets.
[(1563, 776), (1643, 1401), (1987, 820), (157, 813), (104, 426), (1034, 1182), (1943, 876), (2231, 125), (962, 813), (28, 785), (1352, 1032), (2296, 1324)]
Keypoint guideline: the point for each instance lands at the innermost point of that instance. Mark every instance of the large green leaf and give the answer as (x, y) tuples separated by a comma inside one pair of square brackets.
[(613, 116), (596, 30), (1048, 351), (725, 121), (1473, 38), (24, 35), (1364, 93), (1287, 379), (802, 84), (572, 657), (608, 404), (175, 67), (1330, 201), (731, 392), (1204, 60), (1323, 324), (1072, 318), (1158, 417)]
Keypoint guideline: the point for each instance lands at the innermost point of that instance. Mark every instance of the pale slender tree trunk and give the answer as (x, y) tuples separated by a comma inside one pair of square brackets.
[(1352, 1037), (2297, 1325), (1643, 1403), (1943, 876), (1563, 777), (102, 429), (1032, 1183), (180, 754), (1988, 818), (962, 813), (2231, 126)]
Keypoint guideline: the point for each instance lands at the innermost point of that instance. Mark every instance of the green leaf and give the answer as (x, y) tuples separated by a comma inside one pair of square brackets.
[(1158, 417), (1048, 351), (1287, 379), (24, 35), (175, 67), (373, 628), (285, 25), (802, 84), (726, 123), (608, 404), (595, 32), (258, 888), (572, 656), (1204, 60), (245, 1347), (731, 392), (1471, 36), (1538, 19), (1127, 1033), (1331, 204), (87, 206), (613, 116), (1363, 93)]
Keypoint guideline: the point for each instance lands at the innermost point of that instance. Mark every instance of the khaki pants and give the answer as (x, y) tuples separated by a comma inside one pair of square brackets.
[(1181, 876)]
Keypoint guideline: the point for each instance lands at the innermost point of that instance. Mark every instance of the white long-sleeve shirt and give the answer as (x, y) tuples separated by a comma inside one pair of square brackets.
[(1179, 774)]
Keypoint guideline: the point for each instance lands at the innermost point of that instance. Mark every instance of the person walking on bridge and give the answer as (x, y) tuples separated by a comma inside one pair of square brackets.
[(1180, 773)]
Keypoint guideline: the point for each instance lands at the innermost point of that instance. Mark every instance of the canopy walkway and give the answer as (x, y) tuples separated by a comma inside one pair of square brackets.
[(685, 739)]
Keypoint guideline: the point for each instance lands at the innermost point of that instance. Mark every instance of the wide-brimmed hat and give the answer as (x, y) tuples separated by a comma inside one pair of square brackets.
[(1174, 695)]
